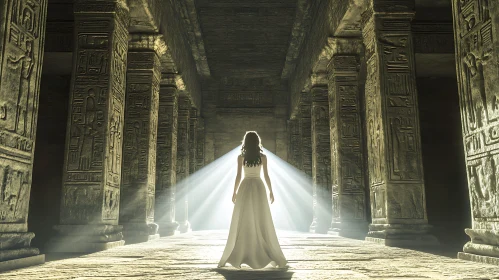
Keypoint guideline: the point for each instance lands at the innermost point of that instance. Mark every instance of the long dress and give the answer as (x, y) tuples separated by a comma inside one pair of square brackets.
[(252, 238)]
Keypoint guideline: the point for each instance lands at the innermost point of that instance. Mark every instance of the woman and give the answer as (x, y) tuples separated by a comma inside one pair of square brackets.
[(252, 237)]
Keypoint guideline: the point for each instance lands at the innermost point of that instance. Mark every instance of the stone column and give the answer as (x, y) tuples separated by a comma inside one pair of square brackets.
[(396, 182), (93, 156), (200, 144), (477, 57), (193, 129), (321, 155), (166, 156), (22, 31), (294, 147), (306, 133), (139, 144), (183, 166), (347, 140)]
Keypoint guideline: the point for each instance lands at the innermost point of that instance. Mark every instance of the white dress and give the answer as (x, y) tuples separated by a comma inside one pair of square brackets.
[(252, 238)]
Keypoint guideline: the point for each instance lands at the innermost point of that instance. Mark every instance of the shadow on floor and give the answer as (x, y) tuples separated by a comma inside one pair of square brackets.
[(249, 274), (50, 257)]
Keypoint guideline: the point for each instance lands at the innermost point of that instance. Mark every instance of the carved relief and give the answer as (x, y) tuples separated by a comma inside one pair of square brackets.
[(166, 166), (139, 163), (347, 166), (19, 83), (477, 71), (375, 139), (393, 140), (95, 130), (14, 193), (111, 203), (321, 157)]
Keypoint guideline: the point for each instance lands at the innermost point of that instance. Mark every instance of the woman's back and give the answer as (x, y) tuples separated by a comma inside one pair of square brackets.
[(252, 171)]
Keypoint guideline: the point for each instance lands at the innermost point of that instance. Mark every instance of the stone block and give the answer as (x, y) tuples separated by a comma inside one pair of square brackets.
[(22, 262), (478, 258)]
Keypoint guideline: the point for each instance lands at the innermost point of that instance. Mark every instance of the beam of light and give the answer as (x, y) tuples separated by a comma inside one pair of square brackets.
[(210, 194), (292, 209)]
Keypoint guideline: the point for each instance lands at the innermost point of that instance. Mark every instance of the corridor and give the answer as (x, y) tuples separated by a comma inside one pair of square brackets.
[(311, 256)]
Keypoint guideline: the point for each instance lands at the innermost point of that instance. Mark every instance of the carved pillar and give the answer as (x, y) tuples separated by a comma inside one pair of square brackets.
[(183, 166), (166, 156), (347, 147), (193, 129), (306, 133), (477, 58), (321, 155), (200, 144), (393, 141), (92, 167), (22, 31), (139, 144), (294, 146)]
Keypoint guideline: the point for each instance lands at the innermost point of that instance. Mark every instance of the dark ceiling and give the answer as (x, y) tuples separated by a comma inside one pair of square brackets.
[(247, 38)]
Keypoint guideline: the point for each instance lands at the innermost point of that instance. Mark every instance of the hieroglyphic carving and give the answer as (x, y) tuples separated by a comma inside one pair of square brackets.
[(393, 140), (22, 32), (306, 133), (184, 108), (294, 147), (166, 166), (95, 130), (200, 144), (347, 148), (193, 129), (477, 59), (139, 147), (321, 158)]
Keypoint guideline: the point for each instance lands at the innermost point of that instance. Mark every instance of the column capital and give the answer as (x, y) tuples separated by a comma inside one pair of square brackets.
[(102, 7), (172, 80), (147, 42), (345, 46), (388, 6), (319, 79)]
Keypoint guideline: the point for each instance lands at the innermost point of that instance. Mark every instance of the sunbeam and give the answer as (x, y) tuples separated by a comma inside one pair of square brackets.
[(210, 192)]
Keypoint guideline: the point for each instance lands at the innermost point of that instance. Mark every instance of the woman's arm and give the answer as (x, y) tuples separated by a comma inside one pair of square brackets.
[(238, 177), (267, 178)]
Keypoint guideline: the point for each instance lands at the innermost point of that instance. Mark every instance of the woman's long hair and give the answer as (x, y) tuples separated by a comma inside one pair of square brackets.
[(251, 149)]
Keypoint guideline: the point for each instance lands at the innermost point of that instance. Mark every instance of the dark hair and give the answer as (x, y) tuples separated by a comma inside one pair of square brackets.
[(251, 149)]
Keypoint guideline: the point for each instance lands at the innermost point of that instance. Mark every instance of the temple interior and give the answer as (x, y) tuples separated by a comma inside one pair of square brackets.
[(120, 122)]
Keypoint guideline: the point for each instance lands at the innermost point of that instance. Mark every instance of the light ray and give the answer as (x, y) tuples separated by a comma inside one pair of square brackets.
[(210, 194)]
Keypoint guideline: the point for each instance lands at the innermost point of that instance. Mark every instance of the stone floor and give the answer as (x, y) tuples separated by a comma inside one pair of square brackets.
[(311, 256)]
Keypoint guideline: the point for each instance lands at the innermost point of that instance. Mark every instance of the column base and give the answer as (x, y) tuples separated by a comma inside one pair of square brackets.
[(22, 262), (483, 247), (318, 228), (184, 227), (402, 235), (85, 238), (477, 258), (354, 230), (140, 232), (168, 229), (16, 252)]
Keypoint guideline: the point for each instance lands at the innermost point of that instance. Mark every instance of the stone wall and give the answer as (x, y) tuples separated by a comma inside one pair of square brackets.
[(177, 42), (326, 16), (233, 106)]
